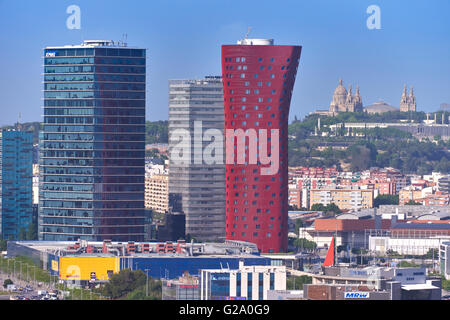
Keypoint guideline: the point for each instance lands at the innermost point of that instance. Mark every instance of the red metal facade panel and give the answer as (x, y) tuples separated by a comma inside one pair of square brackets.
[(329, 259), (257, 85)]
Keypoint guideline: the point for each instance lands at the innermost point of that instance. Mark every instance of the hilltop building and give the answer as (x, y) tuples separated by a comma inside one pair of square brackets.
[(345, 101), (408, 102)]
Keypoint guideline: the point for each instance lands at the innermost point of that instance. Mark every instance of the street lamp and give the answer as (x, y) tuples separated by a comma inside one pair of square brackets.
[(146, 291), (34, 267), (15, 267), (26, 274)]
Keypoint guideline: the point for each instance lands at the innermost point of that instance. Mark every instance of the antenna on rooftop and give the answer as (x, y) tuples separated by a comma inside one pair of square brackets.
[(19, 118), (124, 39), (248, 32)]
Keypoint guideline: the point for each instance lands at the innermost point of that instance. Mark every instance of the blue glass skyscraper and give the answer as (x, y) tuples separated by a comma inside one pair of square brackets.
[(16, 200), (92, 148)]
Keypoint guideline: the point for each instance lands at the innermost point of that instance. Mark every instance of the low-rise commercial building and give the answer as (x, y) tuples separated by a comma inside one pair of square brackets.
[(444, 259), (186, 287), (243, 283), (373, 283), (83, 262), (285, 295)]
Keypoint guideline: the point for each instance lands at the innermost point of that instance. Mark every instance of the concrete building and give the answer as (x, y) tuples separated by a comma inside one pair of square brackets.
[(295, 196), (157, 193), (424, 212), (418, 130), (196, 106), (244, 283), (444, 184), (379, 107), (285, 295), (35, 184), (406, 245), (438, 199), (373, 283), (186, 287), (413, 193), (347, 229), (444, 259), (345, 199)]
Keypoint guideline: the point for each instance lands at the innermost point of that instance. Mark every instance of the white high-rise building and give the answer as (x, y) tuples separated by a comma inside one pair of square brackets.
[(198, 187)]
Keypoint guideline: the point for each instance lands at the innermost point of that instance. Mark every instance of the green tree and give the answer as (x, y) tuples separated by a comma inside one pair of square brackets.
[(382, 199), (318, 207), (156, 132), (31, 233), (154, 291), (298, 225), (305, 244), (413, 203), (406, 264), (332, 208), (295, 282), (363, 156), (7, 282), (123, 283), (432, 253), (22, 234), (3, 245)]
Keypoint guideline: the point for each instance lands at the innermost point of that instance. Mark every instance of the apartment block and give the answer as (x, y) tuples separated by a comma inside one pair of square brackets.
[(345, 199), (157, 193)]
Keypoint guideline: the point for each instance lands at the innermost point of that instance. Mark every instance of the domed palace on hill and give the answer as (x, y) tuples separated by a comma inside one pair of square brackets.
[(344, 101)]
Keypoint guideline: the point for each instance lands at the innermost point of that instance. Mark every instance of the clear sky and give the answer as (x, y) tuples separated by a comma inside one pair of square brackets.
[(183, 38)]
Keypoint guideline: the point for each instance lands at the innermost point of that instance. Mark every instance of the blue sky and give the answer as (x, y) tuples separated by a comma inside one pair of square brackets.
[(183, 38)]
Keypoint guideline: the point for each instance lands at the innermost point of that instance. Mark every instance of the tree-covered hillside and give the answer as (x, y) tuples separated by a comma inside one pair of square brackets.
[(381, 147)]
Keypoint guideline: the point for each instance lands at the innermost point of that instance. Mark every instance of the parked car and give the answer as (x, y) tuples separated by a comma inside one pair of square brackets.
[(42, 292)]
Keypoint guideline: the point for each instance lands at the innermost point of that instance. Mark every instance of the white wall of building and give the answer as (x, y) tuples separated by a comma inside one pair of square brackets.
[(405, 246), (246, 271)]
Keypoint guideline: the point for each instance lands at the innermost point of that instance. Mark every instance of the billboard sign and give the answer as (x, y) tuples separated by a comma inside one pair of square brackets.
[(356, 295)]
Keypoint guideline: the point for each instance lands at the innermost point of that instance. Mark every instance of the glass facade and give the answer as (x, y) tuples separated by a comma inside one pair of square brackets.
[(16, 183), (93, 143), (220, 285)]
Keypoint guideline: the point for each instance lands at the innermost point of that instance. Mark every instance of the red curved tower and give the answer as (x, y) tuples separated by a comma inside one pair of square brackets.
[(258, 78)]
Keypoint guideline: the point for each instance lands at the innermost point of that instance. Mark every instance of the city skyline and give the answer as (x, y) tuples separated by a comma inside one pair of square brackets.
[(409, 48)]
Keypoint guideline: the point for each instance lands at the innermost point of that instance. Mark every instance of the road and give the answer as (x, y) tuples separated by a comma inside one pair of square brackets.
[(22, 283)]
